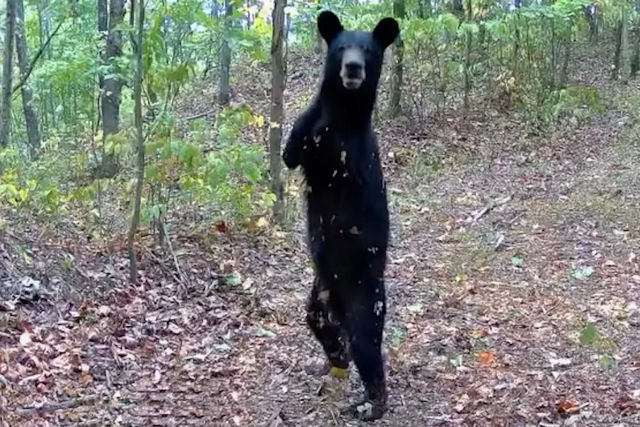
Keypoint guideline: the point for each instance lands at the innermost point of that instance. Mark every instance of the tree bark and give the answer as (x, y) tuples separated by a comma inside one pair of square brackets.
[(625, 66), (112, 85), (28, 106), (277, 110), (137, 94), (225, 57), (467, 59), (617, 59), (398, 63), (7, 74), (635, 59)]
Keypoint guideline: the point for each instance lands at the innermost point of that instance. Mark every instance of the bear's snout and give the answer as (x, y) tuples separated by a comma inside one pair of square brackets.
[(352, 70)]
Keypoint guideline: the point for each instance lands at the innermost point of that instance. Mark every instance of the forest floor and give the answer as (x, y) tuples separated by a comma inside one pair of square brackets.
[(513, 286)]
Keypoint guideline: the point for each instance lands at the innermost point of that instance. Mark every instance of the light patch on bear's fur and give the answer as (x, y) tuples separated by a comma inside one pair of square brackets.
[(323, 296), (377, 308)]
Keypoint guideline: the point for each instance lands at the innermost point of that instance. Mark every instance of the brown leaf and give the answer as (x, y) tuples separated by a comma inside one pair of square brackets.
[(221, 227), (149, 347), (627, 404), (567, 407), (486, 358)]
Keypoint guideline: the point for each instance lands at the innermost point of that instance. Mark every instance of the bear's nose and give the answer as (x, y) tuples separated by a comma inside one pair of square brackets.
[(354, 69)]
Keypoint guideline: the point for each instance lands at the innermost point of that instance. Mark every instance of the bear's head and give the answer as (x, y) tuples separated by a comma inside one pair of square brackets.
[(354, 58)]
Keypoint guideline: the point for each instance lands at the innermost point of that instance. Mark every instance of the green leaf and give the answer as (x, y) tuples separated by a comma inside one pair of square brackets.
[(517, 260), (583, 272), (589, 334)]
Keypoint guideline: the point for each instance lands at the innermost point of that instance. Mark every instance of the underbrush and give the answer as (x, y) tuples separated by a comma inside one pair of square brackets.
[(214, 173)]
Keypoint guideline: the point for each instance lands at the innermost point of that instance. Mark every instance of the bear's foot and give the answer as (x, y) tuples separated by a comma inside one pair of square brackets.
[(368, 410)]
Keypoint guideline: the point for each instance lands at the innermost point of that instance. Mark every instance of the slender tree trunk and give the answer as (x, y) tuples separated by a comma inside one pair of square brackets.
[(398, 63), (137, 94), (112, 85), (277, 111), (635, 60), (625, 66), (7, 74), (209, 60), (225, 57), (618, 52), (28, 106), (43, 27), (564, 73), (467, 59)]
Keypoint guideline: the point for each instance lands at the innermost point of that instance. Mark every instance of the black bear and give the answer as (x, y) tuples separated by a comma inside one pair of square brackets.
[(347, 212)]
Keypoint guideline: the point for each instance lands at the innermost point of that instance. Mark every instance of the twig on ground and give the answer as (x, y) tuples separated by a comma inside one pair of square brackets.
[(491, 206), (56, 406), (183, 279), (275, 419), (199, 115), (162, 264)]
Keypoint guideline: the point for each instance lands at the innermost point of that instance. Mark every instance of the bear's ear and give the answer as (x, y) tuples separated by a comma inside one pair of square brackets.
[(329, 26), (386, 32)]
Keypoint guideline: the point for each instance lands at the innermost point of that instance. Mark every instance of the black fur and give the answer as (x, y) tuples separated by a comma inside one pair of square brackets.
[(347, 213)]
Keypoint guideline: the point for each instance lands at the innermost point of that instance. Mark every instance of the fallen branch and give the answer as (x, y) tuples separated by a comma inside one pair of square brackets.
[(199, 115), (183, 279), (491, 206), (57, 406), (162, 264)]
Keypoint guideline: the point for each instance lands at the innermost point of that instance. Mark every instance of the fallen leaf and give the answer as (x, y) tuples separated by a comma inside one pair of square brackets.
[(247, 283), (517, 260), (86, 379), (486, 358), (25, 339), (173, 328), (560, 362), (227, 266), (627, 404), (265, 333), (589, 334), (221, 227), (582, 273), (567, 407)]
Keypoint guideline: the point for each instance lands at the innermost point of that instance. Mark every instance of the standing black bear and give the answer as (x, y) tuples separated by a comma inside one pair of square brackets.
[(347, 214)]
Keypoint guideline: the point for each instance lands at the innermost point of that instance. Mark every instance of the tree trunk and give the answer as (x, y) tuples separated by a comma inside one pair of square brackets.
[(137, 94), (635, 60), (618, 52), (7, 74), (625, 61), (112, 85), (28, 106), (225, 57), (277, 111), (467, 59), (564, 72), (47, 101), (398, 63)]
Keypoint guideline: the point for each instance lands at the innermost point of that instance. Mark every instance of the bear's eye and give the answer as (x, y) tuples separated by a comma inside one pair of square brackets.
[(342, 47)]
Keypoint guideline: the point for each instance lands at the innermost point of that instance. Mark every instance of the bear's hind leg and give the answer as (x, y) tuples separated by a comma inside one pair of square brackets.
[(365, 323), (327, 329)]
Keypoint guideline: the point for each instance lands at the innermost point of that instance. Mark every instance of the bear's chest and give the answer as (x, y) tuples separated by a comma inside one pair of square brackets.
[(339, 160)]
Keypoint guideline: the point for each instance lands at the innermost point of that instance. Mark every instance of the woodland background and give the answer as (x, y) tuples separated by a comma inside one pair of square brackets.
[(153, 268)]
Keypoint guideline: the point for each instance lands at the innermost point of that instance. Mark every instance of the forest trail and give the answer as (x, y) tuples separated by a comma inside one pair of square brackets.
[(513, 280)]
